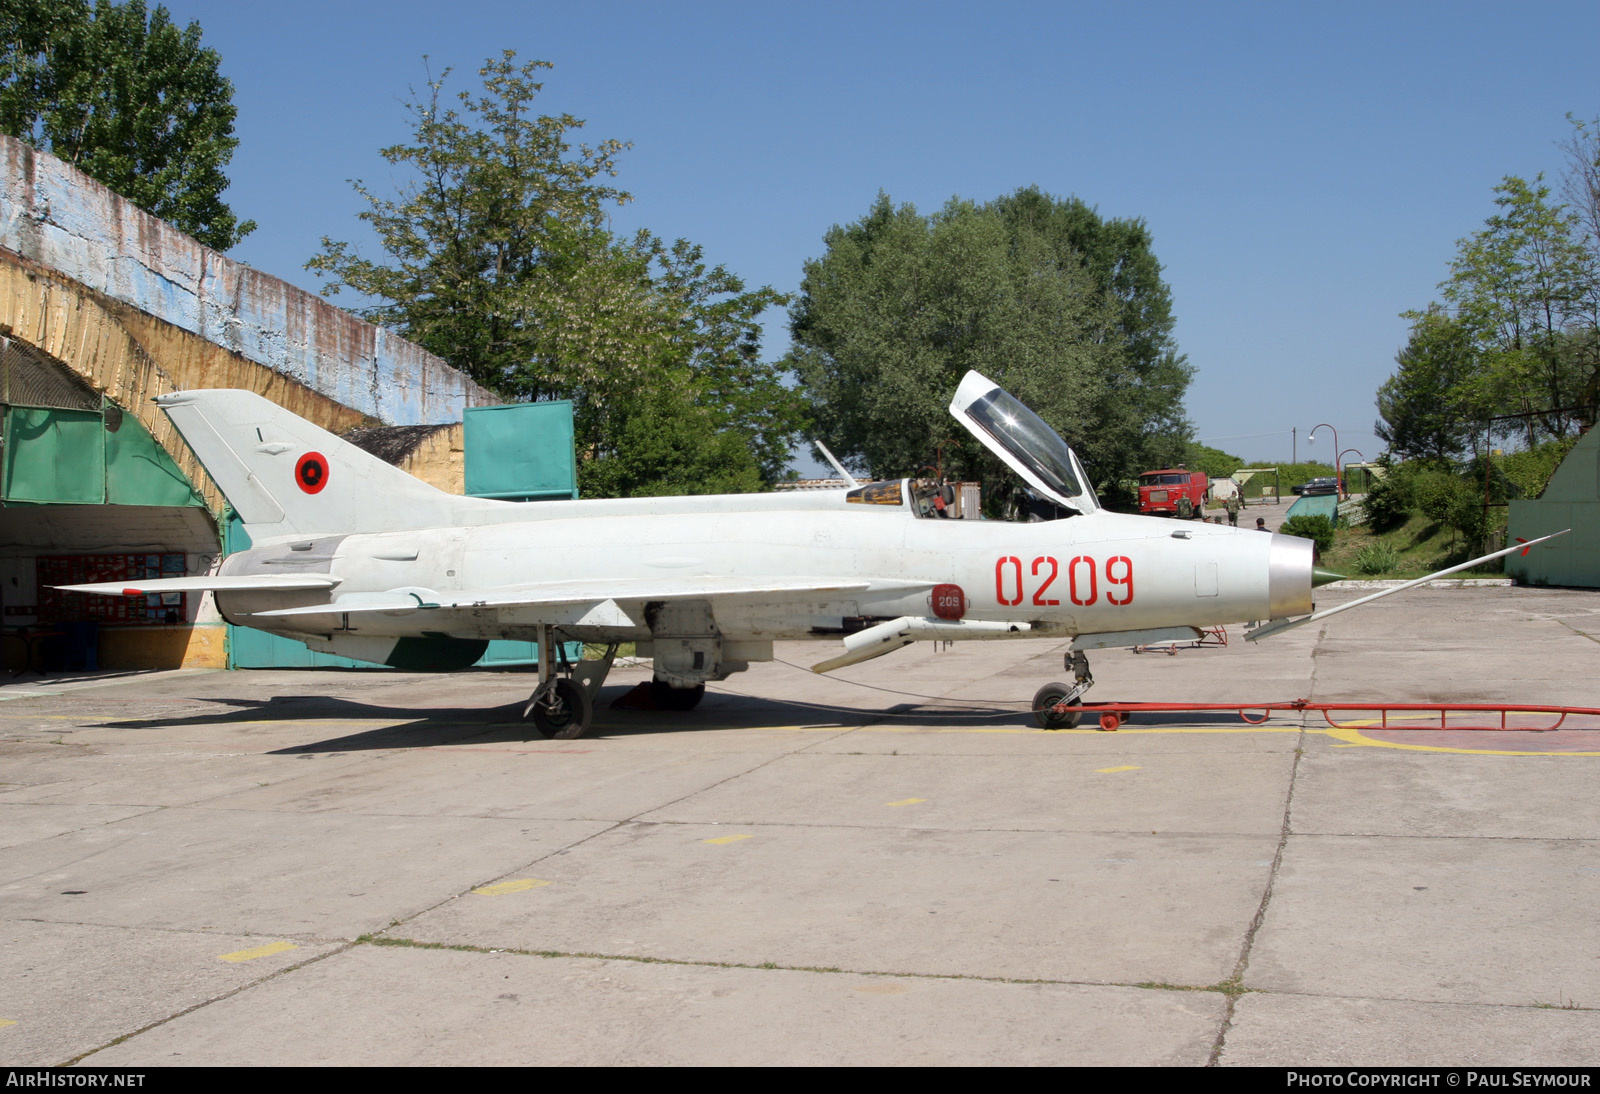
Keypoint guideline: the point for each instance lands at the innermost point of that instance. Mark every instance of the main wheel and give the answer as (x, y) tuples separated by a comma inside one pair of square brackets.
[(566, 715), (667, 697), (1044, 703)]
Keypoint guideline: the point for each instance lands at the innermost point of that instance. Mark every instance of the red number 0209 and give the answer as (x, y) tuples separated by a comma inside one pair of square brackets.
[(1083, 576)]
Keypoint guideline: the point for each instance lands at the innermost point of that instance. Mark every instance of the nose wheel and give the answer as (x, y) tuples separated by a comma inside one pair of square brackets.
[(1048, 703), (1054, 704)]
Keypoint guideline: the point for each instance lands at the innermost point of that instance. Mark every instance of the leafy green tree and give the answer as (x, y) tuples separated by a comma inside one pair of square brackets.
[(1521, 286), (1213, 461), (1451, 501), (495, 253), (1067, 311), (1427, 409), (664, 442), (122, 94), (1581, 188), (497, 256), (1389, 498), (1318, 528)]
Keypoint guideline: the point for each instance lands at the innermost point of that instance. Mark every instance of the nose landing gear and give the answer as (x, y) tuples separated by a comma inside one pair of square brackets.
[(1052, 703)]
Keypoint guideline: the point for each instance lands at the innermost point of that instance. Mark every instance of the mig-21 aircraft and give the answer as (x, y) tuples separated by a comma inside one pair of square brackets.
[(355, 557)]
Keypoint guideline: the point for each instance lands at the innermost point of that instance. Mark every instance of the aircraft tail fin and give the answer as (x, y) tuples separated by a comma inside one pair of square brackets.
[(285, 476)]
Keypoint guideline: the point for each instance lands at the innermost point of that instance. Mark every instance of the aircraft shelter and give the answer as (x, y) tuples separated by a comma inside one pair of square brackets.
[(1570, 500), (103, 307)]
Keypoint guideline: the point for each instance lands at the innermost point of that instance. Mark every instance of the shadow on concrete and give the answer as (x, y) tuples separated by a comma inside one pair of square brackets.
[(425, 727)]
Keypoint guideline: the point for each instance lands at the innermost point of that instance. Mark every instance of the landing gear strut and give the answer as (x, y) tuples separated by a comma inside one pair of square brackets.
[(562, 706), (1050, 702)]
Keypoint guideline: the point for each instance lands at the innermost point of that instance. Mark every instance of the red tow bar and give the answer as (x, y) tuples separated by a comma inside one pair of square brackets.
[(1370, 715)]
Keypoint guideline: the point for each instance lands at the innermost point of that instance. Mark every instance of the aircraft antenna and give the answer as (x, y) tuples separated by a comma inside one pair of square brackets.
[(837, 466)]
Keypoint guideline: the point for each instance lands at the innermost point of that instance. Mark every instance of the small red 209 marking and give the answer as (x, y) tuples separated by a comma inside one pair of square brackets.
[(1083, 580), (311, 473)]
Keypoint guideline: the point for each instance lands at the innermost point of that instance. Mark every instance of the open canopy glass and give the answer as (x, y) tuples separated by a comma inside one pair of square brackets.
[(1023, 441)]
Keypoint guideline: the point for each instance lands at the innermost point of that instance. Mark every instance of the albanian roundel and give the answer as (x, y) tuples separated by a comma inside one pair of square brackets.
[(311, 472)]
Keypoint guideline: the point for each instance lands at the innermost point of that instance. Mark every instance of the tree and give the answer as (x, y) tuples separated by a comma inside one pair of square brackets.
[(497, 257), (1581, 188), (1216, 463), (126, 97), (1522, 288), (1064, 309), (1427, 408)]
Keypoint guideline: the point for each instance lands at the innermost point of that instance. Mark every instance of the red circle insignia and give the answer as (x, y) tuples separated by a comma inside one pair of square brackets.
[(311, 472)]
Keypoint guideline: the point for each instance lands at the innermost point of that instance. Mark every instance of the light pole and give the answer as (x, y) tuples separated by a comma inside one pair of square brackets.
[(1339, 463), (1338, 483)]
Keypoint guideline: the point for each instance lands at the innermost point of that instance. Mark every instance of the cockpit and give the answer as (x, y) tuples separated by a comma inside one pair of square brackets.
[(929, 499)]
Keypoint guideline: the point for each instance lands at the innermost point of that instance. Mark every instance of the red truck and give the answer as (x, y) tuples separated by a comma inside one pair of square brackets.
[(1174, 492)]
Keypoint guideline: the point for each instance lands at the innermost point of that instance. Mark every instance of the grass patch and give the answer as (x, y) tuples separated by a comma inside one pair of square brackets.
[(1415, 549), (1229, 987), (594, 651)]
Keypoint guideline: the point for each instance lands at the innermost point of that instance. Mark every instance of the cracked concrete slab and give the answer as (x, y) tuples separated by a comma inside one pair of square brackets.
[(809, 870)]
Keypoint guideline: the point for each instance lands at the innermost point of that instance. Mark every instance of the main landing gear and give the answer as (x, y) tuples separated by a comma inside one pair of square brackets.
[(1050, 702), (562, 706)]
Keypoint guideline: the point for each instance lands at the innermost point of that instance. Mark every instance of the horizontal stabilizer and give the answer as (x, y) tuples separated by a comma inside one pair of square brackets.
[(248, 583)]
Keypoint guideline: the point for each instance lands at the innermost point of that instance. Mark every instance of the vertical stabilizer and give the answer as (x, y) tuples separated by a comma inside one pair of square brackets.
[(285, 476)]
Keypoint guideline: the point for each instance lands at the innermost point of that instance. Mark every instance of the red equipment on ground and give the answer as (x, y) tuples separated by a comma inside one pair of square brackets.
[(1174, 492), (1355, 714)]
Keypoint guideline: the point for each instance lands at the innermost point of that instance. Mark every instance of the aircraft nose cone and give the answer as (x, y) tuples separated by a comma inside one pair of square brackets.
[(1319, 576), (1289, 569)]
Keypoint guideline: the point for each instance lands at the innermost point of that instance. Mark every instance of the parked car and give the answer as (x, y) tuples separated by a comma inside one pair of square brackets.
[(1317, 486)]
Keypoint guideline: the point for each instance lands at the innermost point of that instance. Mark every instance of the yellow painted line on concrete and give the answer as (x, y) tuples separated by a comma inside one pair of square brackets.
[(882, 988), (4, 1022), (727, 839), (260, 951), (1011, 730), (97, 718), (520, 885), (1114, 770), (1356, 737), (907, 801)]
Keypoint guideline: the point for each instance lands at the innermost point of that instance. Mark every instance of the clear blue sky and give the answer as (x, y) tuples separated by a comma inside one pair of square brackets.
[(1306, 170)]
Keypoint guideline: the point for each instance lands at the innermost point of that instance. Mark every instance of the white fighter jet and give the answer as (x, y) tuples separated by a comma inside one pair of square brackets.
[(355, 557)]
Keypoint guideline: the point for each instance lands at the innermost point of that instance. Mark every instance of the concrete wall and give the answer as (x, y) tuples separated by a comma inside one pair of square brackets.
[(440, 461), (136, 309), (55, 216)]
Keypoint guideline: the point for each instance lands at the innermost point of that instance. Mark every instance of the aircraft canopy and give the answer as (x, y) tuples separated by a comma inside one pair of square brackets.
[(1021, 439)]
